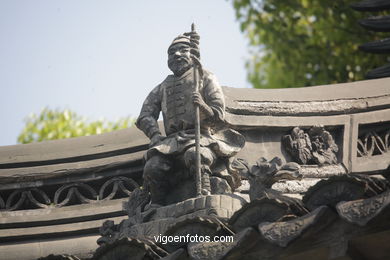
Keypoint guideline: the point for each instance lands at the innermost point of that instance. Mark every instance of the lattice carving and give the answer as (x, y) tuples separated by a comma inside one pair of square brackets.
[(67, 194), (117, 185), (27, 198), (80, 192), (372, 144)]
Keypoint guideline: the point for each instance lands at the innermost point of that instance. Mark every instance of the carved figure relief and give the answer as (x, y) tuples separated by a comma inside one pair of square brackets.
[(315, 146)]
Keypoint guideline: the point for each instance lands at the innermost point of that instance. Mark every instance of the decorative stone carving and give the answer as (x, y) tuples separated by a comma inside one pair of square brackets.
[(364, 210), (373, 143), (138, 199), (316, 146), (26, 199), (265, 173), (298, 144), (343, 188), (117, 184), (109, 232), (80, 192), (266, 204), (67, 194), (282, 233), (134, 207)]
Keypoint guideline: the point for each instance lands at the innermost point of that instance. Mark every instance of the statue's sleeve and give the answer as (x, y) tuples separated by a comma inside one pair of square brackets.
[(213, 96), (147, 119)]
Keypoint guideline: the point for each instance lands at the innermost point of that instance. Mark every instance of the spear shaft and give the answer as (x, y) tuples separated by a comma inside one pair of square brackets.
[(198, 174)]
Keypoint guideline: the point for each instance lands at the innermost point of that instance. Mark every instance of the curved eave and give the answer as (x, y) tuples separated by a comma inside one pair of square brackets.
[(377, 23), (371, 5), (335, 99)]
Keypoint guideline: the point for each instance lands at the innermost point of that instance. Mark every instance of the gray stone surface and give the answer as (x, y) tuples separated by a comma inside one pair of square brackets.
[(205, 251), (72, 149), (363, 211), (219, 186), (326, 171), (354, 90), (61, 215), (347, 187), (222, 206), (282, 233), (295, 186)]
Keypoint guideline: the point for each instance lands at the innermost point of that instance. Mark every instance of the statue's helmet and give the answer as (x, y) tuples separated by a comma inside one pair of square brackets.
[(186, 38), (181, 39)]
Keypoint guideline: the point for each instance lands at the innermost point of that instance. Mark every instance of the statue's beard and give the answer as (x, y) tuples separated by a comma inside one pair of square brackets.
[(179, 66)]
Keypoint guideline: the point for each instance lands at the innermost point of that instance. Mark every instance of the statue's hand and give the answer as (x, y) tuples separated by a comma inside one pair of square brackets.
[(155, 140), (198, 101)]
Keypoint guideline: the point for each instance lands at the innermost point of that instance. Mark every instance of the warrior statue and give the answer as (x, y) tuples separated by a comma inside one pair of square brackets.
[(171, 159)]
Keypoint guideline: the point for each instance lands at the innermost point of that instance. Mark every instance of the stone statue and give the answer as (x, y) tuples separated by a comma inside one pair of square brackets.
[(169, 171)]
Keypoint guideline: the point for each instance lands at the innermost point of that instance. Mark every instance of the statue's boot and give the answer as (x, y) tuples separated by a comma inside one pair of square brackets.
[(155, 176)]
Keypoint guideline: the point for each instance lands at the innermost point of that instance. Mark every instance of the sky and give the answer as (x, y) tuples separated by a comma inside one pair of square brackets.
[(102, 58)]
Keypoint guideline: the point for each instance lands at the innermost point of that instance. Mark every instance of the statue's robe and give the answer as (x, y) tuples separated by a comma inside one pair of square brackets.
[(173, 97)]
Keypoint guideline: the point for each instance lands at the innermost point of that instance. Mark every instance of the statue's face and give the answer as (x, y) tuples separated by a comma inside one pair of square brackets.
[(179, 58)]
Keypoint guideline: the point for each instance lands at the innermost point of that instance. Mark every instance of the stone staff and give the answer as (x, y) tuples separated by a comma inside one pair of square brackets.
[(197, 67)]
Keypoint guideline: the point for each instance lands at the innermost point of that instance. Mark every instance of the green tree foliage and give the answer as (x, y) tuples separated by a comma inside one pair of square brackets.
[(297, 43), (59, 124)]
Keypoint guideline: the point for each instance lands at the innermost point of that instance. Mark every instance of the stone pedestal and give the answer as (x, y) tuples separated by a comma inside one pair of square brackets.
[(221, 206)]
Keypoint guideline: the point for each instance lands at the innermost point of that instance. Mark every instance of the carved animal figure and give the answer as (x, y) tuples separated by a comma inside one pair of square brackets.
[(264, 174)]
